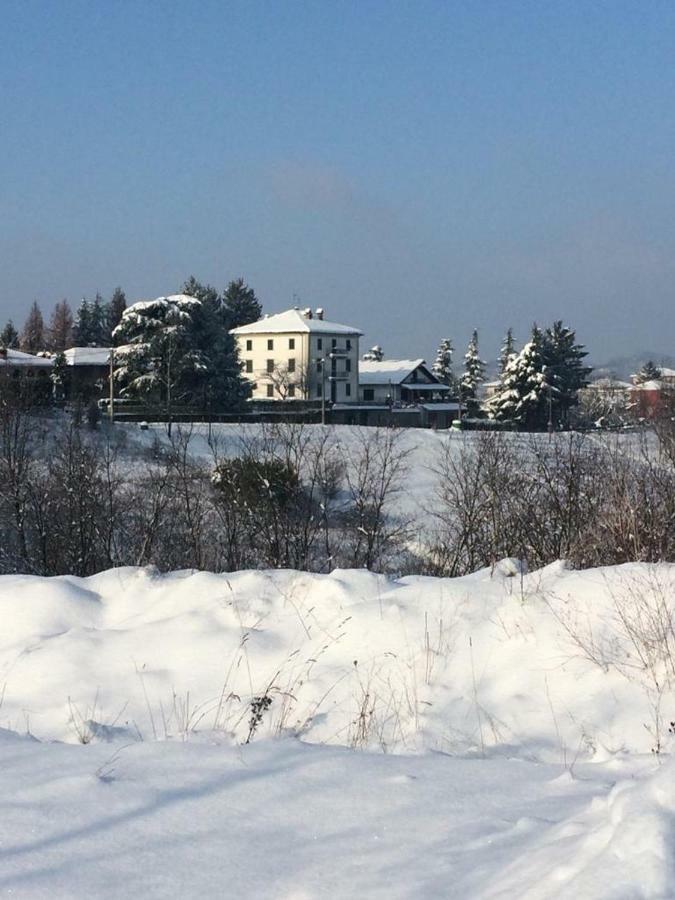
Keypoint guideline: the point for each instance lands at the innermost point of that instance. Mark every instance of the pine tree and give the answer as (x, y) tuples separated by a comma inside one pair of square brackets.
[(203, 292), (523, 394), (564, 370), (9, 337), (508, 350), (473, 376), (33, 335), (82, 329), (61, 327), (241, 304), (375, 354), (442, 367), (116, 306), (98, 323), (648, 372), (179, 349), (60, 376)]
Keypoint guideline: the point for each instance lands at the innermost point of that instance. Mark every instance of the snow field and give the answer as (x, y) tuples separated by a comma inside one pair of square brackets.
[(486, 736)]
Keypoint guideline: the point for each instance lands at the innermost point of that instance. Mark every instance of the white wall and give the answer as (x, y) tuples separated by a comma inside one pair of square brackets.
[(308, 349)]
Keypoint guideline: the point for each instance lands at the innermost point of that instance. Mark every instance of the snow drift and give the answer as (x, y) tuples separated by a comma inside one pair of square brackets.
[(555, 666)]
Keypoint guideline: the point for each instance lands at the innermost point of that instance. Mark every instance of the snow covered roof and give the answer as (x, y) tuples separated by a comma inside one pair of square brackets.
[(11, 357), (388, 371), (293, 320), (87, 356), (647, 386), (609, 384), (666, 372)]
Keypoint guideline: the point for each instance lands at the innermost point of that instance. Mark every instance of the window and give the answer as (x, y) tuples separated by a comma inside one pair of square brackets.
[(348, 390), (333, 343), (291, 343), (249, 365), (368, 394), (249, 344), (270, 390), (270, 344), (291, 390), (348, 365), (349, 344), (291, 365), (319, 343), (319, 389), (270, 366)]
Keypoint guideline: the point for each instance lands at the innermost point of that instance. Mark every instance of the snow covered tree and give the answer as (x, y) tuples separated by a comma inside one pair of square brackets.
[(375, 354), (442, 367), (9, 336), (472, 377), (61, 327), (33, 335), (116, 306), (564, 369), (241, 304), (178, 350), (158, 360), (508, 350), (523, 394), (648, 372), (60, 375)]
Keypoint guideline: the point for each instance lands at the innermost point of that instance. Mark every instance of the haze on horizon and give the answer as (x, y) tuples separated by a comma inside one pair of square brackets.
[(417, 169)]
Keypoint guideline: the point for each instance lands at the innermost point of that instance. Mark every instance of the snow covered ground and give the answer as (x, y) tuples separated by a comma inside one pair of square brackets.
[(489, 736)]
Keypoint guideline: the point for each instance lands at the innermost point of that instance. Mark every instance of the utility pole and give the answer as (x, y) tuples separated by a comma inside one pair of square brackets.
[(111, 388)]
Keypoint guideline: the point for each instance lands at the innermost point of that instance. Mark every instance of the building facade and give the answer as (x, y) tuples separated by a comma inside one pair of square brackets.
[(298, 355), (405, 381)]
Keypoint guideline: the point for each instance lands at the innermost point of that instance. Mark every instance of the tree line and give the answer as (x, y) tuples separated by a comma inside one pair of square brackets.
[(74, 501), (537, 386)]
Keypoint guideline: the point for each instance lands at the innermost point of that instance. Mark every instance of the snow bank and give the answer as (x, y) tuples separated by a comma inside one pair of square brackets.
[(543, 666)]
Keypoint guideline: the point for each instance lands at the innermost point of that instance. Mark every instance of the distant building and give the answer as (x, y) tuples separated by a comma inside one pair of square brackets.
[(88, 371), (24, 367), (405, 381), (298, 355)]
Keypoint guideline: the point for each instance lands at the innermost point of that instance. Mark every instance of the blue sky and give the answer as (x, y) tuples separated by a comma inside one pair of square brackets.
[(418, 169)]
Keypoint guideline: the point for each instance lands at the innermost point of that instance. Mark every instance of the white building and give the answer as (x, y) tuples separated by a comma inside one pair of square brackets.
[(398, 381), (297, 354)]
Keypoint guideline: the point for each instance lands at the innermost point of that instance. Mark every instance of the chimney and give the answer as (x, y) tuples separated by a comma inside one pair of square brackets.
[(307, 313), (319, 313)]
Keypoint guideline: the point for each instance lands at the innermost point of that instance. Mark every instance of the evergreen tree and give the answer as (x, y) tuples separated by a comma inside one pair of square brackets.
[(565, 370), (375, 354), (61, 327), (9, 337), (473, 376), (523, 394), (648, 372), (33, 335), (117, 305), (508, 350), (241, 304), (203, 292), (99, 336), (82, 330), (60, 376), (178, 349), (442, 367)]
